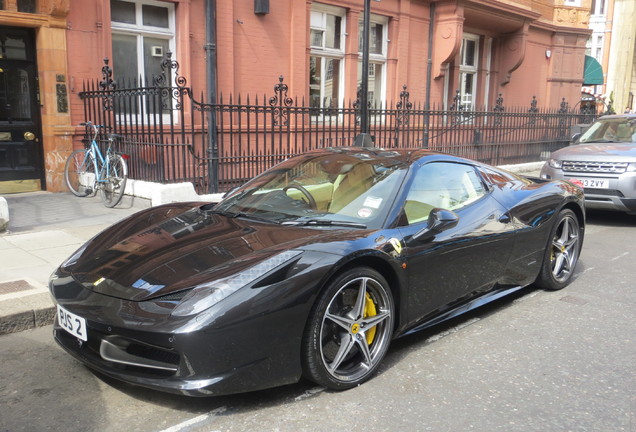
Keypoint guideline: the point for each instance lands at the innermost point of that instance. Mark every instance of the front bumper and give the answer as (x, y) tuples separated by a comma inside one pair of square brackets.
[(620, 195), (252, 342)]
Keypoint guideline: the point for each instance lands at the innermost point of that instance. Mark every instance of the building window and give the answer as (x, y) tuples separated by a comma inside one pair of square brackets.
[(377, 58), (27, 6), (598, 7), (326, 60), (143, 31), (572, 3), (598, 50), (469, 55)]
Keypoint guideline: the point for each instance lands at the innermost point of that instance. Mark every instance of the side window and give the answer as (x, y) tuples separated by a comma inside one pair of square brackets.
[(496, 177), (450, 186)]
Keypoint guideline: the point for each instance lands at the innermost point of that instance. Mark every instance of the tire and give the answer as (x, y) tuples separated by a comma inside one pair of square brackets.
[(79, 173), (562, 252), (113, 189), (349, 330)]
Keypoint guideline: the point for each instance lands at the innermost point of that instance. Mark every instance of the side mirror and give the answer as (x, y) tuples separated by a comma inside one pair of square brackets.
[(575, 138), (438, 221)]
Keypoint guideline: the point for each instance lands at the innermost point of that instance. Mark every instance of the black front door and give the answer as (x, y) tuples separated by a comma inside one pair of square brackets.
[(21, 159)]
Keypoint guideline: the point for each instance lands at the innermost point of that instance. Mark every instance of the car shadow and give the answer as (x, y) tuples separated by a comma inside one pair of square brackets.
[(221, 405), (404, 345), (303, 390), (610, 218)]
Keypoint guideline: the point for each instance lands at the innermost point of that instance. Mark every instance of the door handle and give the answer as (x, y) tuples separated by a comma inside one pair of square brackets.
[(29, 136)]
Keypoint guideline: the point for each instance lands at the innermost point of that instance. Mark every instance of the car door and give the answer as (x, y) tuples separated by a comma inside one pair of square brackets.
[(448, 267)]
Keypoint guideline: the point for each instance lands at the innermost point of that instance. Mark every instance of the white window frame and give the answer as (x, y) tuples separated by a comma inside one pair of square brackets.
[(599, 8), (598, 41), (378, 59), (140, 31), (464, 70), (326, 53)]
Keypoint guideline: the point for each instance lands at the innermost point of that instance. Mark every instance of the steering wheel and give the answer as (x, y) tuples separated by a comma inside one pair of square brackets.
[(305, 192)]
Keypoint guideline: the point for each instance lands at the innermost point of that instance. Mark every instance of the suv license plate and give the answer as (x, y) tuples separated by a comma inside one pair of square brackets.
[(594, 183), (74, 324)]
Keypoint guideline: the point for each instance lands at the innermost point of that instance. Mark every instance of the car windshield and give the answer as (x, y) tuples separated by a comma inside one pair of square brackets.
[(353, 190), (611, 130)]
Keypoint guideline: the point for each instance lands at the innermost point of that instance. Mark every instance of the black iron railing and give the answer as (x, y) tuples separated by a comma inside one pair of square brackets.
[(172, 136)]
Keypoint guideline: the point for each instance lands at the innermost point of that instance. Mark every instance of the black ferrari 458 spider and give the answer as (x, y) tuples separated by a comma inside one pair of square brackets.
[(310, 269)]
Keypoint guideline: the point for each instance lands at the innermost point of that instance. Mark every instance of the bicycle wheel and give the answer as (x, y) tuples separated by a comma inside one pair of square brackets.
[(112, 190), (79, 173)]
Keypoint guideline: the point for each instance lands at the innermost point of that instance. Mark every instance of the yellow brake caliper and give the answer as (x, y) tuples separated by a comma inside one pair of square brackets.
[(369, 311)]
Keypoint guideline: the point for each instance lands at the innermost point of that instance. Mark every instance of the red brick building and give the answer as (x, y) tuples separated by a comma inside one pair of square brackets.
[(483, 48)]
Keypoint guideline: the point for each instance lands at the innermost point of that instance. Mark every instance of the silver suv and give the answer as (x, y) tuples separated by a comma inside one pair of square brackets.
[(603, 161)]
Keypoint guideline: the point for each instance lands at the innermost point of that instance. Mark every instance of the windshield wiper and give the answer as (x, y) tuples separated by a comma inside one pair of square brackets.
[(324, 222), (230, 214), (601, 140)]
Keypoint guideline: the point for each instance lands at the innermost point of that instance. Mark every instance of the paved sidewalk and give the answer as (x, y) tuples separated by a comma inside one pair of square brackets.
[(45, 229)]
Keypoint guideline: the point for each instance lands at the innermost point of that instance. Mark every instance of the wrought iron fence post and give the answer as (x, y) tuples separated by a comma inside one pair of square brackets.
[(499, 110), (280, 103), (107, 85), (402, 119), (563, 112), (457, 107), (533, 111)]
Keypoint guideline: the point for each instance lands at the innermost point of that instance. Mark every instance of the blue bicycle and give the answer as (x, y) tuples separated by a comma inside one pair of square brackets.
[(88, 170)]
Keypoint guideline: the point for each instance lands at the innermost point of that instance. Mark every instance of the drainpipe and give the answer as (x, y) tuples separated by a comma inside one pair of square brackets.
[(211, 74), (429, 74), (364, 138)]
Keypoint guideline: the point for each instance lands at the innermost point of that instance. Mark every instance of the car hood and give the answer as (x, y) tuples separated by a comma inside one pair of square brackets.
[(598, 152), (171, 248)]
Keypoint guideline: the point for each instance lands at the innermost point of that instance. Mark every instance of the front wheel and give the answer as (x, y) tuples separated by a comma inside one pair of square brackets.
[(349, 330), (113, 188), (562, 254), (79, 173)]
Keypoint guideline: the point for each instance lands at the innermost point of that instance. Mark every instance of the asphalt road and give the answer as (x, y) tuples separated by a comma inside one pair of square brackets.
[(539, 361)]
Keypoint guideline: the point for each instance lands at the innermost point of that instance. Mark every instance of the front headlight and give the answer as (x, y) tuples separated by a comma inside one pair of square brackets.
[(555, 163), (207, 295)]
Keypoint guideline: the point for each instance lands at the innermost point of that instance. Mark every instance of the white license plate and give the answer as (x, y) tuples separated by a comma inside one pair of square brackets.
[(74, 324), (594, 183)]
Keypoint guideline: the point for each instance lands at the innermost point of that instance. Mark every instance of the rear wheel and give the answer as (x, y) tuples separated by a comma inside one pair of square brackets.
[(563, 252), (349, 330), (113, 189), (79, 173)]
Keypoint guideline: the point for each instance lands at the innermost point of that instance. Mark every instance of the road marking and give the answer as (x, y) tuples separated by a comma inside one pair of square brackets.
[(181, 426), (620, 256)]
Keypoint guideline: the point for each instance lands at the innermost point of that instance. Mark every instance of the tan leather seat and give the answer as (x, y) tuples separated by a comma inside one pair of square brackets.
[(348, 186)]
